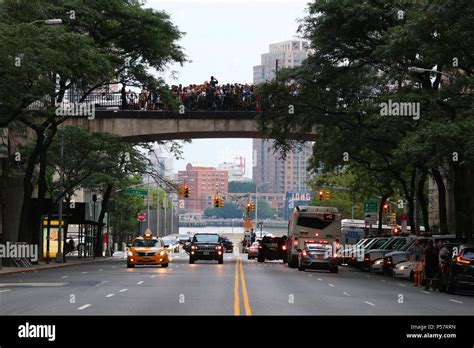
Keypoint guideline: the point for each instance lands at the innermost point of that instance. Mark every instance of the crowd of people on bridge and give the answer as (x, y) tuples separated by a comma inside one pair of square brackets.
[(209, 96)]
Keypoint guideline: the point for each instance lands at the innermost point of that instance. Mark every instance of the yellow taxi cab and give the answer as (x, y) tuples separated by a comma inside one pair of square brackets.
[(147, 250)]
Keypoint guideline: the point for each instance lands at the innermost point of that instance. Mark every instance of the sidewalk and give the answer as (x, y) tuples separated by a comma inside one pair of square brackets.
[(43, 266)]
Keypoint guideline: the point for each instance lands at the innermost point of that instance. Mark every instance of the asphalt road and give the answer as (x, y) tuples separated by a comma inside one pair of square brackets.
[(238, 287)]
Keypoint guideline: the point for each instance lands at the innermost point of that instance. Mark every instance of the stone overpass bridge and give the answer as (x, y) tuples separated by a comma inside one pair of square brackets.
[(149, 126)]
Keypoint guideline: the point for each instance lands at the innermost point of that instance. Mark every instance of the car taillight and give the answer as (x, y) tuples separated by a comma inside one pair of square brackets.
[(459, 259), (304, 253), (366, 259), (295, 242), (284, 247), (260, 247), (353, 258)]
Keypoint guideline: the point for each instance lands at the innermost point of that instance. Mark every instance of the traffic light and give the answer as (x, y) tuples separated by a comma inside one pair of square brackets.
[(250, 207), (221, 202), (323, 195), (216, 202), (186, 191), (396, 229), (385, 208), (326, 195)]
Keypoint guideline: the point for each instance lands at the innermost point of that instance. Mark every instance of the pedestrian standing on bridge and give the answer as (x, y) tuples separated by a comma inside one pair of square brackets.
[(213, 82)]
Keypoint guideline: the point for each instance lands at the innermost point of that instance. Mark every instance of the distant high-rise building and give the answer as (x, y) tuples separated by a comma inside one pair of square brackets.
[(277, 176), (204, 182), (236, 169), (286, 54)]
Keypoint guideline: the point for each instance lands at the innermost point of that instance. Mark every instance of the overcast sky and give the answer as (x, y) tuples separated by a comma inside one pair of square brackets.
[(225, 39)]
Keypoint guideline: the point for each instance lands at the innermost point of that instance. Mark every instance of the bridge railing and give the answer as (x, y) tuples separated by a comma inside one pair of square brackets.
[(208, 100)]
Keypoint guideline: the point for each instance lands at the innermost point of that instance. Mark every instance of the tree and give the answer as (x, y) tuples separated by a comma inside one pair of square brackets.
[(98, 43), (339, 90)]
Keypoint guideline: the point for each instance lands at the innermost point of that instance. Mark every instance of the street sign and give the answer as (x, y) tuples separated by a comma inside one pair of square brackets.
[(136, 192), (370, 206), (370, 217), (141, 217)]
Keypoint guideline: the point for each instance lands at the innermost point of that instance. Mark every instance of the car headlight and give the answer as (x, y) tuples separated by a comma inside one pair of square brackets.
[(162, 252), (130, 253), (403, 267), (194, 247), (378, 262)]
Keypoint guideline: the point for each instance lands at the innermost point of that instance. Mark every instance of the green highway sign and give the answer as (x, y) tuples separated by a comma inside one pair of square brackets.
[(370, 206), (136, 192)]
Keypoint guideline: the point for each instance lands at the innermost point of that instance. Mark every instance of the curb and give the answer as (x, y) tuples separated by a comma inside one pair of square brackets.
[(60, 265)]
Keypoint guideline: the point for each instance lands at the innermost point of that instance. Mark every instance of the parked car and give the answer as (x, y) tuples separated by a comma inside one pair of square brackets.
[(403, 270), (253, 251), (317, 255), (373, 258), (346, 253), (459, 271), (393, 258), (362, 261), (272, 248)]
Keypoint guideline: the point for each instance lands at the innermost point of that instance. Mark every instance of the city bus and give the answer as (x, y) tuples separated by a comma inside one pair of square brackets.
[(311, 223)]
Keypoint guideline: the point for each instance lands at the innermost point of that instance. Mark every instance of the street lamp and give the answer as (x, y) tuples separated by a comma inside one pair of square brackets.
[(416, 69)]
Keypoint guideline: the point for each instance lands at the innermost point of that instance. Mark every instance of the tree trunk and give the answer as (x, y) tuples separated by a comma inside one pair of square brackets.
[(26, 232), (443, 216), (423, 201), (463, 201), (103, 210)]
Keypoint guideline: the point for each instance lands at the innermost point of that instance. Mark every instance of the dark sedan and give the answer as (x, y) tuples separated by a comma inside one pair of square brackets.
[(459, 272)]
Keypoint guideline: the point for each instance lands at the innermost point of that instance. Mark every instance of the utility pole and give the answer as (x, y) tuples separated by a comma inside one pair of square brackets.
[(59, 256)]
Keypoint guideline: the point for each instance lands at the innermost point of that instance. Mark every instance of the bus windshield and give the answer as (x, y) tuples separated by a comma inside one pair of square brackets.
[(312, 222)]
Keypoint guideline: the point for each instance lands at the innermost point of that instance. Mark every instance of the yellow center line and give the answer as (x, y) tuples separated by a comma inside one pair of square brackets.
[(248, 311), (236, 290)]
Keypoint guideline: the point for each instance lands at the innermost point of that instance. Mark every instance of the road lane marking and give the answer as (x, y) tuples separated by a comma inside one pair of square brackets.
[(426, 292), (367, 276), (319, 279), (310, 275), (83, 307), (331, 285), (140, 282), (455, 301), (110, 295), (403, 285), (100, 270), (84, 272), (64, 277), (5, 290), (236, 289), (370, 303), (32, 284), (152, 276), (123, 290), (346, 293), (248, 310), (383, 280)]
